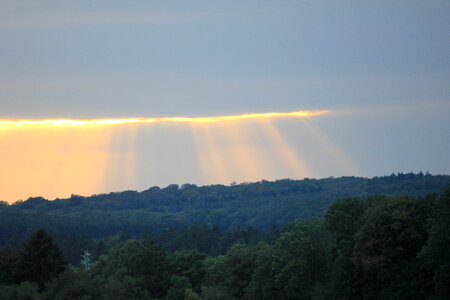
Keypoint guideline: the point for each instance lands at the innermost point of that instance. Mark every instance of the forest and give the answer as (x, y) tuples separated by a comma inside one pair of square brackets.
[(336, 238), (260, 205)]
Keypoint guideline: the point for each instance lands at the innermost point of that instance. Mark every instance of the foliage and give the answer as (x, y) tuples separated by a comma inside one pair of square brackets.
[(9, 260), (300, 259), (23, 291), (41, 259), (386, 245), (72, 285), (380, 247), (189, 265), (257, 205), (140, 265), (343, 219), (436, 253)]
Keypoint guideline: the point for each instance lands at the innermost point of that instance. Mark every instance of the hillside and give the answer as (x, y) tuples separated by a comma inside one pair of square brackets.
[(260, 205)]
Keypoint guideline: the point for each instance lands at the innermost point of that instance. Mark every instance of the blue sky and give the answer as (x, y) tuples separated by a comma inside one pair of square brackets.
[(385, 61)]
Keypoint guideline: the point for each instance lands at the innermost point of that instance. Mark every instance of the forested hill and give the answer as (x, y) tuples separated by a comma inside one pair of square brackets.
[(260, 205)]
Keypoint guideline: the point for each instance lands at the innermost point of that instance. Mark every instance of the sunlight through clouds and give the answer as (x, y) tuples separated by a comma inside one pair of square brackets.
[(52, 161), (333, 151), (290, 158), (56, 158)]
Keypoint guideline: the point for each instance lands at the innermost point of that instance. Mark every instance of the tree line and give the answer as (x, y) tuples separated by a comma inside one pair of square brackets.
[(379, 247), (260, 205)]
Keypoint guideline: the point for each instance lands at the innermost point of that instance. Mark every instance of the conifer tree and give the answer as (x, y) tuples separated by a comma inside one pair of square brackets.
[(41, 259)]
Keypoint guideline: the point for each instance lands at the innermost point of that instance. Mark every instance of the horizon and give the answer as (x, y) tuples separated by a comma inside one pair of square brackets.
[(231, 184)]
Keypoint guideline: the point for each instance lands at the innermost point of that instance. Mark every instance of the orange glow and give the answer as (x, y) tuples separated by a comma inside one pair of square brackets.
[(231, 152), (57, 158), (52, 162), (246, 158), (121, 164), (289, 157), (210, 156), (98, 122), (226, 153)]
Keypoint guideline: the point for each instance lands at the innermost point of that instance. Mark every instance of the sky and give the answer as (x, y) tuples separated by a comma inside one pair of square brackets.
[(380, 68)]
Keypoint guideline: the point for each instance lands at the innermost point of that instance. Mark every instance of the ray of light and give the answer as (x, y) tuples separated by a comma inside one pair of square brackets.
[(231, 152), (99, 122), (286, 153), (52, 162), (211, 155), (55, 158), (226, 153), (121, 166), (336, 154), (243, 154)]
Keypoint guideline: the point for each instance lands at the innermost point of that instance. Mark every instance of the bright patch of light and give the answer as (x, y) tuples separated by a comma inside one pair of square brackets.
[(97, 122)]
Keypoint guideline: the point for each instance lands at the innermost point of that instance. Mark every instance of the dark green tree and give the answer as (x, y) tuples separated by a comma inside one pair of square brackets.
[(143, 269), (235, 269), (23, 291), (343, 220), (152, 269), (73, 285), (190, 264), (41, 259), (392, 233), (261, 286), (179, 287), (436, 253), (8, 265), (300, 259)]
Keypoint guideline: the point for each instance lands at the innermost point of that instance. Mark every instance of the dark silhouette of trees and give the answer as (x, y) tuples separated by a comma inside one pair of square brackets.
[(380, 247), (436, 253), (258, 205), (392, 234), (343, 219), (41, 259), (73, 285)]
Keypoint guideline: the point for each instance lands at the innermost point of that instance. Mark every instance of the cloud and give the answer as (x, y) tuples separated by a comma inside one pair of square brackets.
[(48, 20)]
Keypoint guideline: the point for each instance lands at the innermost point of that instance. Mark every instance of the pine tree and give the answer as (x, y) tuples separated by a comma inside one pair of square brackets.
[(41, 259)]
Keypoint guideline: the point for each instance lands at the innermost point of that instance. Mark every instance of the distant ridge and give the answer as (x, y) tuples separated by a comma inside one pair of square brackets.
[(259, 204)]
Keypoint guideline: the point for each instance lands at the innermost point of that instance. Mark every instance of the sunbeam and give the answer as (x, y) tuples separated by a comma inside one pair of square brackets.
[(243, 153), (121, 165), (56, 158), (285, 153), (52, 162), (336, 154), (210, 155)]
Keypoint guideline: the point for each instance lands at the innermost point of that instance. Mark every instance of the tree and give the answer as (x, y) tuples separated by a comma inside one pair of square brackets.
[(72, 285), (300, 259), (386, 246), (152, 269), (436, 253), (23, 291), (179, 286), (261, 286), (232, 272), (8, 265), (189, 264), (143, 268), (41, 259), (343, 220)]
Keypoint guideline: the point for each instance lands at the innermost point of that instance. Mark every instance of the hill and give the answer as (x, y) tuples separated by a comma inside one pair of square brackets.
[(260, 205)]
